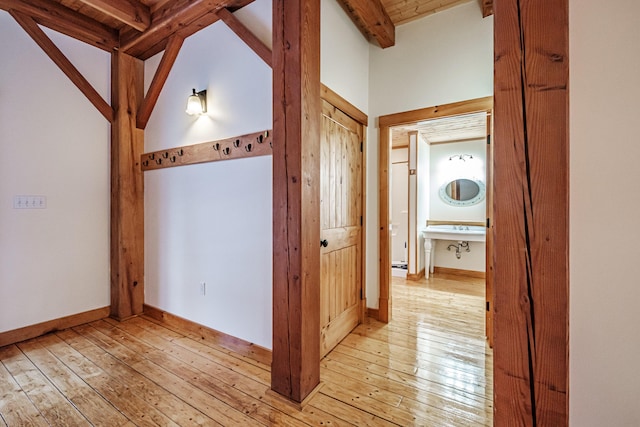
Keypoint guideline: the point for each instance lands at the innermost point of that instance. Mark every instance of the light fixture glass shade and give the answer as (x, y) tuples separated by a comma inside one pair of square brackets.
[(196, 103)]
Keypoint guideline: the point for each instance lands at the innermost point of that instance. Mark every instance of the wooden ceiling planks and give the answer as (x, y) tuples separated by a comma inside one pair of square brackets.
[(403, 11)]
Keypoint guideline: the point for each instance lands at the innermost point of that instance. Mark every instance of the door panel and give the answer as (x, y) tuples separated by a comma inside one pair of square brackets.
[(340, 222)]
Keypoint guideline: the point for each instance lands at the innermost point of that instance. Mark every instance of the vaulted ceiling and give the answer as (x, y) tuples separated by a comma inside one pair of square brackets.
[(142, 28)]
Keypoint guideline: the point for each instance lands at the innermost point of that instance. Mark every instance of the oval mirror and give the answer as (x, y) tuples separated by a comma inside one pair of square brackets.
[(463, 192)]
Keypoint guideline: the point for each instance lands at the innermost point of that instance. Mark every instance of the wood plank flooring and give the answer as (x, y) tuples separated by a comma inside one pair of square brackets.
[(430, 367)]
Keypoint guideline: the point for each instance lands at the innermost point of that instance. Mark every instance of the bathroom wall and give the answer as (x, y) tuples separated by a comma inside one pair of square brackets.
[(54, 262), (443, 171), (443, 58)]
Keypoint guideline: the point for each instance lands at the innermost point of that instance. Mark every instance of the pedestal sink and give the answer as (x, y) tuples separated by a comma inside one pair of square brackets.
[(455, 232)]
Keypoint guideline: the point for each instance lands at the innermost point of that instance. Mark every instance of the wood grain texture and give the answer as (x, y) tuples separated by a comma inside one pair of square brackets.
[(429, 366), (296, 194), (487, 7), (343, 105), (159, 78), (127, 191), (179, 16), (489, 251), (438, 111), (340, 226), (56, 55), (250, 145), (66, 21), (132, 13), (403, 11), (531, 206), (384, 222), (372, 19), (237, 345), (32, 331), (261, 49)]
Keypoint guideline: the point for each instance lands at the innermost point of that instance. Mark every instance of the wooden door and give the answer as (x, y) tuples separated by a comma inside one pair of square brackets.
[(489, 239), (340, 226)]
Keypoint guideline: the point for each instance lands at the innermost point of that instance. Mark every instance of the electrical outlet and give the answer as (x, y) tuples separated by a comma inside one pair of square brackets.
[(203, 288)]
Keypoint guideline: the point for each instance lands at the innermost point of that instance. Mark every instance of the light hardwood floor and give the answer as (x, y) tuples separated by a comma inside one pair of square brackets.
[(429, 366)]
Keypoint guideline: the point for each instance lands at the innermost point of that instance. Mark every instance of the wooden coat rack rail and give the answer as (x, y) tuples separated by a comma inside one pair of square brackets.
[(250, 145)]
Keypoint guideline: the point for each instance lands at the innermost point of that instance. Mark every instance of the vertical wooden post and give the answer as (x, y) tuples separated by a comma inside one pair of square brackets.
[(295, 369), (531, 213), (127, 198)]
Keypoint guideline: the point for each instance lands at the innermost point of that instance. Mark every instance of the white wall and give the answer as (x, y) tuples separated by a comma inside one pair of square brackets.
[(344, 56), (54, 262), (212, 222), (604, 204), (443, 58)]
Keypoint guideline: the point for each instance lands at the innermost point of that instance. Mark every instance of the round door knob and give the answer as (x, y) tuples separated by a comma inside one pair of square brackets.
[(324, 243)]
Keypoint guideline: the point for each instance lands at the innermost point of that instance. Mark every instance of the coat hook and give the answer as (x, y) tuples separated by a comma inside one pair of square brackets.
[(226, 151), (260, 139), (216, 146), (158, 161), (248, 147), (165, 154), (271, 144), (266, 133), (236, 143), (180, 152), (145, 163), (173, 159), (152, 156)]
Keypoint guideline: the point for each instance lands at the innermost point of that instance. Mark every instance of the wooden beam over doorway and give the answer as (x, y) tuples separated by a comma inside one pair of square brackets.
[(295, 369), (531, 213)]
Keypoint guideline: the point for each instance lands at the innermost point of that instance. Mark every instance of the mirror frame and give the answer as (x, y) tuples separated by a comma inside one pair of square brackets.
[(453, 202)]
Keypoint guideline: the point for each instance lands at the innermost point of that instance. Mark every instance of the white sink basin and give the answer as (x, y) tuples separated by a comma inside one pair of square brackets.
[(469, 233)]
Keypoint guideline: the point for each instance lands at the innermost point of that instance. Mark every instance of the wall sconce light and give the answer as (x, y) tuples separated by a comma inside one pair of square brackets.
[(463, 157), (197, 103)]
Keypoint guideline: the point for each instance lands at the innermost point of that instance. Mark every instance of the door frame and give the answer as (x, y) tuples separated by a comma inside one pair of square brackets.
[(352, 111), (385, 123)]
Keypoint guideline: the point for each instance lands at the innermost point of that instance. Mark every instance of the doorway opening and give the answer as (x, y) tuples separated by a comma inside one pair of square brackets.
[(407, 127)]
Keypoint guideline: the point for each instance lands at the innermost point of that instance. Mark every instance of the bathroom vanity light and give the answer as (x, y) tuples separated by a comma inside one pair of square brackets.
[(197, 103), (463, 157)]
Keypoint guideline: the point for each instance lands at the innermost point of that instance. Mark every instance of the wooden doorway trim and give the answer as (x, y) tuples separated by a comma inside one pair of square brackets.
[(385, 124)]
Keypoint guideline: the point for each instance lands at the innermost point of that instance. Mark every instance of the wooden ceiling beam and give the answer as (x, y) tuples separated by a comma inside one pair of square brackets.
[(487, 7), (261, 49), (66, 21), (372, 19), (36, 33), (159, 79), (131, 13), (186, 17)]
